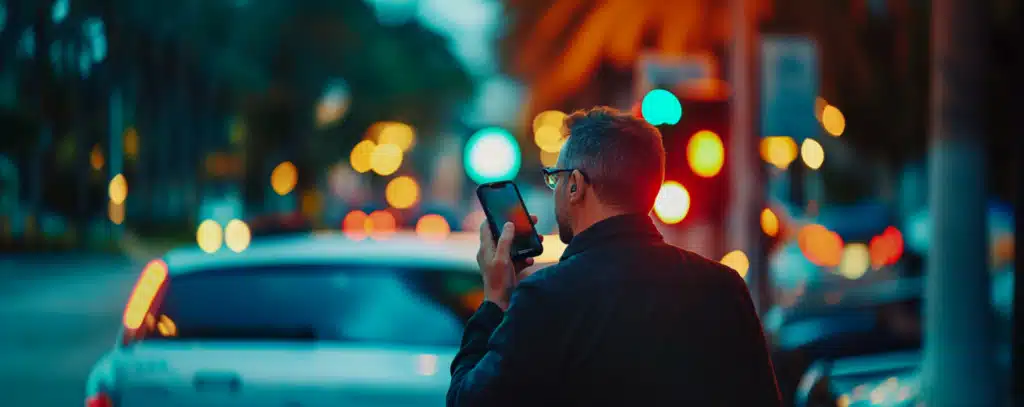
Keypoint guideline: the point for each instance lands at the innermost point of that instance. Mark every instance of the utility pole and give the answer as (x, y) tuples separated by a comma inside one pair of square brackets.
[(1017, 358), (959, 360), (747, 192), (115, 134)]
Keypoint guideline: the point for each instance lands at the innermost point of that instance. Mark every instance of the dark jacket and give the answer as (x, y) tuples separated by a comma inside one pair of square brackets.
[(623, 319)]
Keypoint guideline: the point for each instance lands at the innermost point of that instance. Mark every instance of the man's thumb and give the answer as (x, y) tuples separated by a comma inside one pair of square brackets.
[(504, 247)]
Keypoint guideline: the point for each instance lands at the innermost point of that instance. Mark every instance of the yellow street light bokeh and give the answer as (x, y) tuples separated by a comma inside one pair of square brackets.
[(209, 236), (115, 212), (237, 235), (284, 177), (399, 134), (833, 120), (812, 153), (769, 222), (118, 189), (386, 159), (549, 139), (549, 118), (360, 157), (672, 203), (705, 153), (547, 130), (779, 151), (855, 261), (402, 192), (737, 260), (548, 159)]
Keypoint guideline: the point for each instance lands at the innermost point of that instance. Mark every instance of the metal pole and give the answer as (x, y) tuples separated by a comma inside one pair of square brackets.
[(959, 365), (115, 131), (182, 156), (746, 172), (164, 131), (1017, 359)]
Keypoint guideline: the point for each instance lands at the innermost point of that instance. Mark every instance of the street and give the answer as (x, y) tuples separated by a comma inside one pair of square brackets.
[(58, 314)]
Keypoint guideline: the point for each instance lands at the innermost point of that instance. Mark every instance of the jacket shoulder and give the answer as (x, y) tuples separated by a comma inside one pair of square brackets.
[(544, 275), (564, 276), (710, 269)]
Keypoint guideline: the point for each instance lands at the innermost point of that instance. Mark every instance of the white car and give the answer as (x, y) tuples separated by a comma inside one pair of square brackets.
[(302, 321)]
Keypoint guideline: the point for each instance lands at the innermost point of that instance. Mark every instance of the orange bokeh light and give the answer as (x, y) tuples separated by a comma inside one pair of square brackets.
[(769, 222), (433, 227), (356, 225), (821, 246), (381, 224)]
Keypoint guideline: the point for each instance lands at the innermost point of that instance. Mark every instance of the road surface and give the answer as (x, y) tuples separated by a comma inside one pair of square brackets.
[(58, 314)]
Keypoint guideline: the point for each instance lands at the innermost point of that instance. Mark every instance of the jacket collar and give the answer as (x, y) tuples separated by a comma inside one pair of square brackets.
[(628, 227)]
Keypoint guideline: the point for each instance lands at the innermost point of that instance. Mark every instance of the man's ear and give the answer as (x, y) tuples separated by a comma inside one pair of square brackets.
[(577, 186)]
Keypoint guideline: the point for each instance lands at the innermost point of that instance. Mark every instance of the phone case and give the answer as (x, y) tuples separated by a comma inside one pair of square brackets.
[(537, 248)]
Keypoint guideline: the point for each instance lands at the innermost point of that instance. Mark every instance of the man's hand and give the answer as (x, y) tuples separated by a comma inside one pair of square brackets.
[(500, 274)]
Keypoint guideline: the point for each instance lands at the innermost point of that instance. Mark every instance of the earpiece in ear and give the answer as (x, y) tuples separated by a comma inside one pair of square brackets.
[(572, 188)]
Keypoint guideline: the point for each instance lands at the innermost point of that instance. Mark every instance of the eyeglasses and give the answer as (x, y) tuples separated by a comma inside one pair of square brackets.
[(551, 175)]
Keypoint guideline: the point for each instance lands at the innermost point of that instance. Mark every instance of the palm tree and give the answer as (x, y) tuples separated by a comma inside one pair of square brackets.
[(582, 52), (577, 52)]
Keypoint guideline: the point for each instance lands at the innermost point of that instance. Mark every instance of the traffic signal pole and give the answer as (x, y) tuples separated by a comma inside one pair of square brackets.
[(959, 360), (748, 195), (115, 134)]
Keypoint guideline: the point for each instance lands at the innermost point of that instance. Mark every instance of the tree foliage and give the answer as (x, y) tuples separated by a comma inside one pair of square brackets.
[(275, 50), (267, 60)]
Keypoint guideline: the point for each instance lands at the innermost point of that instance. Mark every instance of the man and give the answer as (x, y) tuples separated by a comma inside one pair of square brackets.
[(624, 318)]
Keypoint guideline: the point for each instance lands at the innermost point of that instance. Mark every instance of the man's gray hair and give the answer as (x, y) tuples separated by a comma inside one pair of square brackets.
[(621, 155)]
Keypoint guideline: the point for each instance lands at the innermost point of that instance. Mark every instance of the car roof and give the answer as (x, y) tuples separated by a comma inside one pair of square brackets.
[(457, 252)]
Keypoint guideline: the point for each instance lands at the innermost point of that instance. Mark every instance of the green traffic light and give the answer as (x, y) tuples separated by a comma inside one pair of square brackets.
[(660, 107), (492, 154)]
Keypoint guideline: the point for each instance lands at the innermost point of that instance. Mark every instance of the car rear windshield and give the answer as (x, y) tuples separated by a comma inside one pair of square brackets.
[(337, 303)]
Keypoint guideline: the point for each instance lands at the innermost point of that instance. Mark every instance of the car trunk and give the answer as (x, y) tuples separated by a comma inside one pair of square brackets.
[(281, 374)]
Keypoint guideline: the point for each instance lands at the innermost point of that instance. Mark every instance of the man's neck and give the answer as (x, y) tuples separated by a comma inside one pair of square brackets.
[(591, 217)]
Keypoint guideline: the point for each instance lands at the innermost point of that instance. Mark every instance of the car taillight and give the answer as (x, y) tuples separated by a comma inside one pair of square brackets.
[(99, 400), (145, 291)]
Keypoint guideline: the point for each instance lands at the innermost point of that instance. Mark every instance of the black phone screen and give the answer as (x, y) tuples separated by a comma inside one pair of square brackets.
[(503, 204)]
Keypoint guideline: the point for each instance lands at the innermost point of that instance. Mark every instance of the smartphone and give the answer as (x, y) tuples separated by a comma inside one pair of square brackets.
[(503, 203)]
